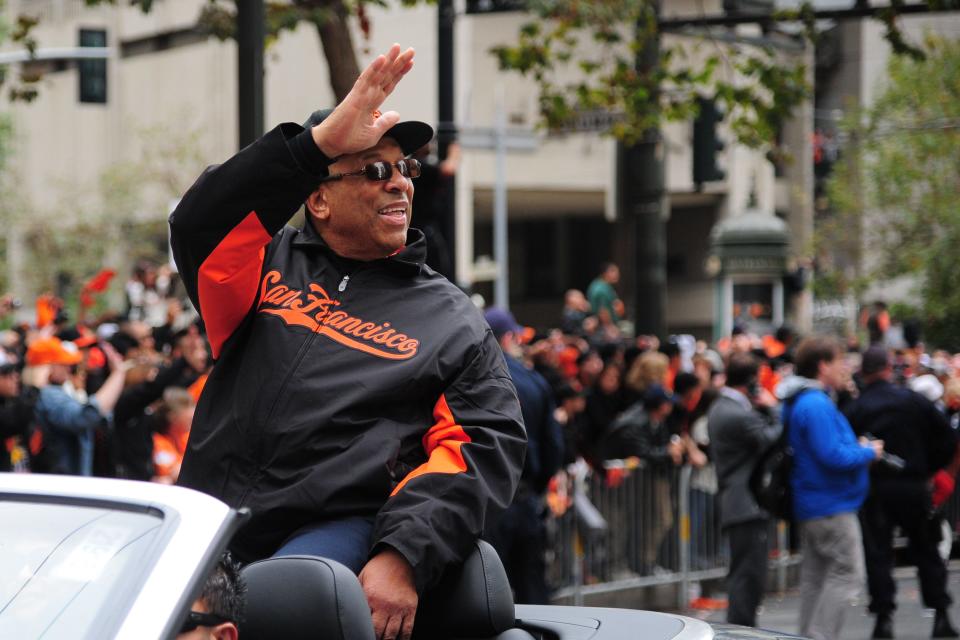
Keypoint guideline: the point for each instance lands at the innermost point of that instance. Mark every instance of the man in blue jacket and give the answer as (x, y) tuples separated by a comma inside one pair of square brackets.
[(830, 482)]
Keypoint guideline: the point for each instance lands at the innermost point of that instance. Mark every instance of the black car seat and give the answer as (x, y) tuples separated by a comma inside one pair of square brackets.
[(301, 597)]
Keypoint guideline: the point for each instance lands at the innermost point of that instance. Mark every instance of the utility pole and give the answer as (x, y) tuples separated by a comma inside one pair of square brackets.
[(642, 199), (446, 127), (250, 36)]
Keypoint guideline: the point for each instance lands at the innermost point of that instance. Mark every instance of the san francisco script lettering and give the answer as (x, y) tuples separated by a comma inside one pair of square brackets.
[(317, 311)]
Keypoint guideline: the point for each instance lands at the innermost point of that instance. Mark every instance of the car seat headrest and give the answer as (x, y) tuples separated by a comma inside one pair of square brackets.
[(471, 601), (294, 597)]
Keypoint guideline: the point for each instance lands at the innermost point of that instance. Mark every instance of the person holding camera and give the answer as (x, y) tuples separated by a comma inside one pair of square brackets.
[(830, 481), (916, 431), (741, 428)]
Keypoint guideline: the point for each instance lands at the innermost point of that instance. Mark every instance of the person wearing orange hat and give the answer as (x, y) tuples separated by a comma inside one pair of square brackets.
[(68, 421)]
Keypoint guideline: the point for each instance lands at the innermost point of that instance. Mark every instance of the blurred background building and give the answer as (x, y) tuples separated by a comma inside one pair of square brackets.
[(115, 140)]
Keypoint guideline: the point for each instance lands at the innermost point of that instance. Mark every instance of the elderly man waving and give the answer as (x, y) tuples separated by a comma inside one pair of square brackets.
[(360, 406)]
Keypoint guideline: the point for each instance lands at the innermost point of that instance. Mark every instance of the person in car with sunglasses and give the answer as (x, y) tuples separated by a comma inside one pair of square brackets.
[(216, 614), (360, 406)]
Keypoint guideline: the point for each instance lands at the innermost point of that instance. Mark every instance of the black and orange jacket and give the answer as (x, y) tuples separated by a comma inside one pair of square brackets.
[(340, 388)]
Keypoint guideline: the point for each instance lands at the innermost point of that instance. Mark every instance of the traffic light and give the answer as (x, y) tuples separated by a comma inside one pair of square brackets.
[(495, 6), (706, 144)]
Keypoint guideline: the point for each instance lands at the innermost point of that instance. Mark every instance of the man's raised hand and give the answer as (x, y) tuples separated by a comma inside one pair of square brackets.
[(353, 126)]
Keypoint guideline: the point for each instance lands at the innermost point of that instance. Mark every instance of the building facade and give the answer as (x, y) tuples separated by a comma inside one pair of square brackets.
[(167, 93)]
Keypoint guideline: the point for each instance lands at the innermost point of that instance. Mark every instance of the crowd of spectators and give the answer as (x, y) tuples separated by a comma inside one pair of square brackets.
[(115, 396), (111, 396)]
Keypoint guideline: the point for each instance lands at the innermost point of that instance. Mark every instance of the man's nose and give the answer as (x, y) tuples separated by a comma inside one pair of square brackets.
[(397, 182)]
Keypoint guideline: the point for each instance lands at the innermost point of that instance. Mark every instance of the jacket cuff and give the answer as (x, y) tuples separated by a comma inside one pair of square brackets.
[(308, 155)]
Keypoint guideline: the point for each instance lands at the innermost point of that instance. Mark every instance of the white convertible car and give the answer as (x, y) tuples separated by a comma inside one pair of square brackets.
[(88, 558)]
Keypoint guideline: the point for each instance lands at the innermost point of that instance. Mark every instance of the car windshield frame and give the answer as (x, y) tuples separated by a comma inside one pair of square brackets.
[(153, 592), (88, 565)]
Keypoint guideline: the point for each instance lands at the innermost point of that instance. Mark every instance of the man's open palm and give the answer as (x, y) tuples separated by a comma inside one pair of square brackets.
[(356, 124)]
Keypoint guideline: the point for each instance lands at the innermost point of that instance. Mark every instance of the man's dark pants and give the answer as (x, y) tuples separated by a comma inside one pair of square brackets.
[(903, 503), (746, 580), (520, 538)]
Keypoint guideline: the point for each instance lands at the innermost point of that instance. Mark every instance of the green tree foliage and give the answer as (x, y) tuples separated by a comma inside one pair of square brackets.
[(758, 91), (900, 182)]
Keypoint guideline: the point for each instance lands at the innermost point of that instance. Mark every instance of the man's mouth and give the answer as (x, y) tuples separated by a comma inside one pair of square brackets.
[(395, 213)]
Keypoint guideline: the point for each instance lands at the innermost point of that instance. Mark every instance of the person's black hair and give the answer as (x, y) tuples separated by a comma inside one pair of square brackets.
[(606, 266), (741, 369), (670, 348), (565, 391), (684, 382), (784, 333), (585, 355), (68, 334), (123, 342), (225, 592), (631, 353), (608, 351)]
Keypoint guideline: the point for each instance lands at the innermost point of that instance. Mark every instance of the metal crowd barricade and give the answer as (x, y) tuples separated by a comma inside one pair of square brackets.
[(640, 525)]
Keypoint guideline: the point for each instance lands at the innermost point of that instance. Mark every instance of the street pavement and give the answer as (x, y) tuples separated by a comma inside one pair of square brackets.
[(911, 620)]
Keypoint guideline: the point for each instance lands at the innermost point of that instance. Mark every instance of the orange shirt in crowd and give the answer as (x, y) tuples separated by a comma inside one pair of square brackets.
[(168, 453)]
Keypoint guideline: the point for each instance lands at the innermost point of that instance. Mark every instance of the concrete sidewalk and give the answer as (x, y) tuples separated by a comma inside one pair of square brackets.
[(911, 621)]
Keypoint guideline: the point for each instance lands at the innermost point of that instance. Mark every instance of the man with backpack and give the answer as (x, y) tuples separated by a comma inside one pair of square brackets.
[(741, 428), (830, 482)]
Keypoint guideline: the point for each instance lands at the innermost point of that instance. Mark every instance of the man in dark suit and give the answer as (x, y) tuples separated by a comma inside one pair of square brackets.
[(741, 428), (912, 428), (520, 534)]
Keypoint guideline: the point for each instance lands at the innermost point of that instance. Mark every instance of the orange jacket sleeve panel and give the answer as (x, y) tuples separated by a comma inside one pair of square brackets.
[(474, 458), (442, 444), (228, 279), (222, 228)]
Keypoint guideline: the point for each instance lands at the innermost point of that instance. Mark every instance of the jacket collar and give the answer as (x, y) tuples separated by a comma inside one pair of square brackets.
[(411, 257), (736, 396)]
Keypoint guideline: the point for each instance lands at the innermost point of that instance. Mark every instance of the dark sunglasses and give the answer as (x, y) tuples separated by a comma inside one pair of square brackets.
[(197, 619), (381, 170)]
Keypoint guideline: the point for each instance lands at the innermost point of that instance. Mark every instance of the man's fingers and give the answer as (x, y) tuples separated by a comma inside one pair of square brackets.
[(379, 623), (385, 121), (398, 75), (392, 629), (407, 629)]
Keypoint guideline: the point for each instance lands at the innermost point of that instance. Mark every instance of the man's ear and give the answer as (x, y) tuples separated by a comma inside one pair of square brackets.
[(316, 204), (225, 631)]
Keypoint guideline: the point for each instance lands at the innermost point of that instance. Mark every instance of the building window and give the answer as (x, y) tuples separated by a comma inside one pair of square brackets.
[(93, 73)]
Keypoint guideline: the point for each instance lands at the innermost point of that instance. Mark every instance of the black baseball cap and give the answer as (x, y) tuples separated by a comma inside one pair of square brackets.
[(410, 135)]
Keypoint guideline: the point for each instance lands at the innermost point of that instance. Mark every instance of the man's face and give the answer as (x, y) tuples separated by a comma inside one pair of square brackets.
[(59, 373), (223, 631), (9, 384), (360, 218), (659, 414), (834, 373)]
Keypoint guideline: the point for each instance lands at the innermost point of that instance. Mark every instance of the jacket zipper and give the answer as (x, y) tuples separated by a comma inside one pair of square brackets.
[(257, 471), (283, 387)]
